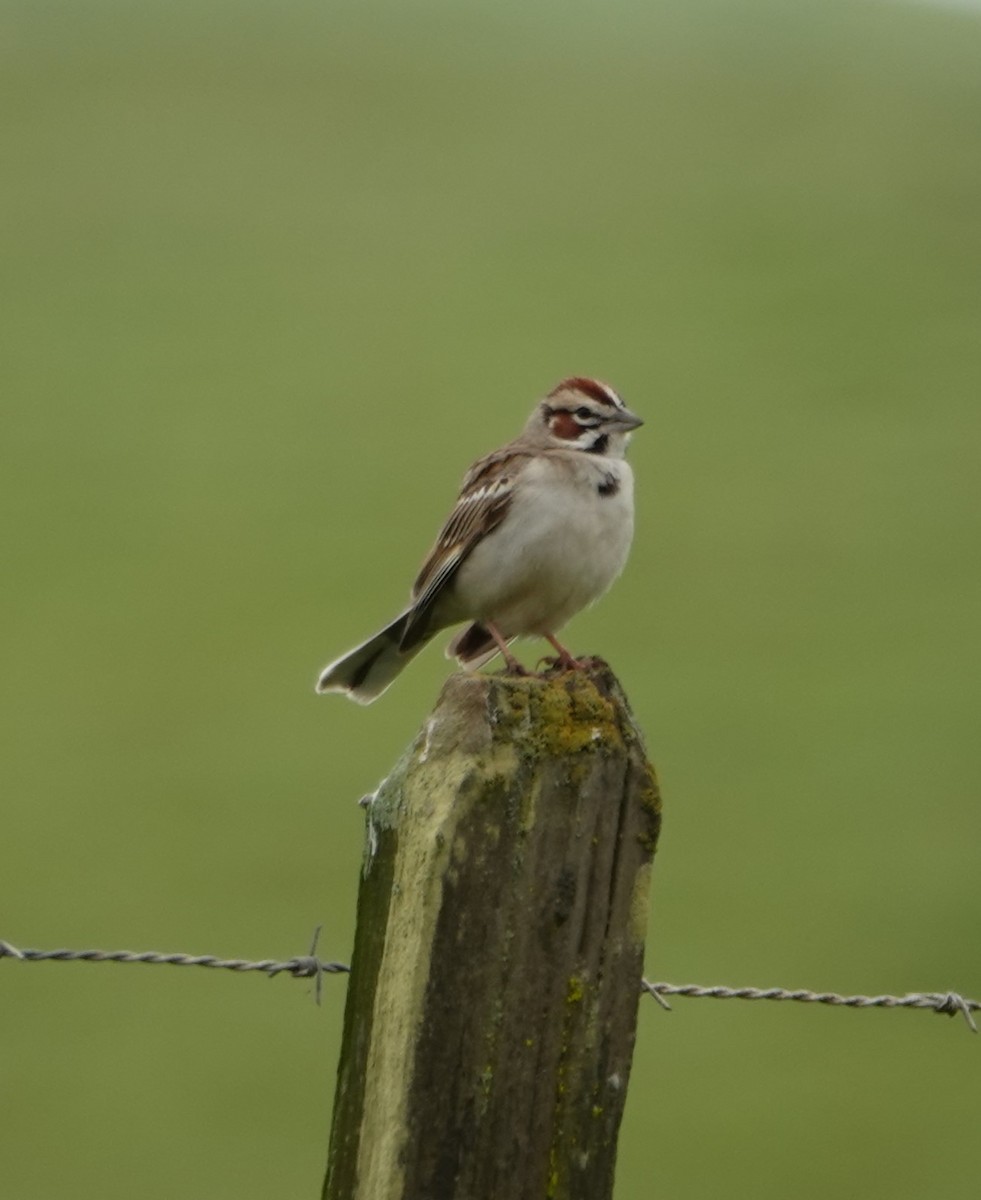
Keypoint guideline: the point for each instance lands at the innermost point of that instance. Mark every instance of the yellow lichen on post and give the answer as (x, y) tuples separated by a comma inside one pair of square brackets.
[(492, 1005)]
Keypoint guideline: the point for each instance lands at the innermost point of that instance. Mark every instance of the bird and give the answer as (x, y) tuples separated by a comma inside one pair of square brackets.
[(540, 530)]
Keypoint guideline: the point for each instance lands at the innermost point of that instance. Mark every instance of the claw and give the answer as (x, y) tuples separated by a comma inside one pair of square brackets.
[(513, 667), (511, 664), (564, 661)]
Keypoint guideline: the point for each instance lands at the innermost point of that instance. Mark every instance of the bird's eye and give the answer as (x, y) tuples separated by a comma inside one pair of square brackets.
[(584, 413)]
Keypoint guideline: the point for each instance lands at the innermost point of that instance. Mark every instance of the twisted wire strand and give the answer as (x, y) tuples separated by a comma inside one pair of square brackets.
[(948, 1003), (309, 966), (301, 966)]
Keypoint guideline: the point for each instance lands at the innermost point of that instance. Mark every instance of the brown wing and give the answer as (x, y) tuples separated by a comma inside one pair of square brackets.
[(484, 499)]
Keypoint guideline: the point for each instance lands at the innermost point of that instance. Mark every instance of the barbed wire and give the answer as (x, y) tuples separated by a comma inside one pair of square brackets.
[(949, 1003), (301, 966), (309, 966)]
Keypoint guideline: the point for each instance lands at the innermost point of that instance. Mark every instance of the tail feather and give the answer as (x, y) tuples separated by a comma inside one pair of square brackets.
[(473, 646), (367, 670)]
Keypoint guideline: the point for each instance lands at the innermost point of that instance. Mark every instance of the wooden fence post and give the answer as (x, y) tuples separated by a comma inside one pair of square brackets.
[(492, 1004)]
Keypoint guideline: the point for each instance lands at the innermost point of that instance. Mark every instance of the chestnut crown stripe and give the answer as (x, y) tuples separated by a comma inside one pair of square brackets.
[(602, 393)]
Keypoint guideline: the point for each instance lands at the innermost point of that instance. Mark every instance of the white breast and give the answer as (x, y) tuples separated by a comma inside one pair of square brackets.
[(563, 542)]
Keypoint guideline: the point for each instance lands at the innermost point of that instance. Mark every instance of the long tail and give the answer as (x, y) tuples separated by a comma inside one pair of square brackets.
[(365, 672)]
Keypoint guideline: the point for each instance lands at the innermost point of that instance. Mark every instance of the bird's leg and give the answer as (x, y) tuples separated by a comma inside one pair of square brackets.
[(564, 659), (512, 664)]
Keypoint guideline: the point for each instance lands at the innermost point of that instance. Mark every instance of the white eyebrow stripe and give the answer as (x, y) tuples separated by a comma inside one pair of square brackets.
[(608, 391), (594, 390), (588, 388)]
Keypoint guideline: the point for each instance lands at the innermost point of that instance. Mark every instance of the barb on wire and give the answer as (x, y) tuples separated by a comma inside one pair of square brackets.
[(301, 966), (950, 1003), (309, 966)]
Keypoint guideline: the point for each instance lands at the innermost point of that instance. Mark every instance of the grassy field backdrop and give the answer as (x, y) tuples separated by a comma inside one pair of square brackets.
[(273, 274)]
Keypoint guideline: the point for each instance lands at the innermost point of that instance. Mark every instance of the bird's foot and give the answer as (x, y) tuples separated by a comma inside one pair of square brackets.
[(513, 667), (511, 664), (560, 663), (563, 661)]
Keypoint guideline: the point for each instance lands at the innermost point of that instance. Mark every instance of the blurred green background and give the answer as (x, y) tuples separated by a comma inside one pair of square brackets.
[(273, 275)]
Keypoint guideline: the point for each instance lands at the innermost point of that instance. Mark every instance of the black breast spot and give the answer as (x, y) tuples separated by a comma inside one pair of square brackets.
[(609, 485)]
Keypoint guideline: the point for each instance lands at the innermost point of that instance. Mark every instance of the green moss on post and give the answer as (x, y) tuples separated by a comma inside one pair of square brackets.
[(492, 1005)]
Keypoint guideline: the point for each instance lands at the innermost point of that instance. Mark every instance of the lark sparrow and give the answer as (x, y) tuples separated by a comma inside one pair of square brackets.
[(541, 528)]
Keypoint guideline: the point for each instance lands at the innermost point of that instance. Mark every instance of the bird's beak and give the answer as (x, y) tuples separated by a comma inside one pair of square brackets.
[(628, 420)]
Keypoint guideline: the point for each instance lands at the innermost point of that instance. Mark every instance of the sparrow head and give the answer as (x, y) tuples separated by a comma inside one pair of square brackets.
[(584, 414)]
